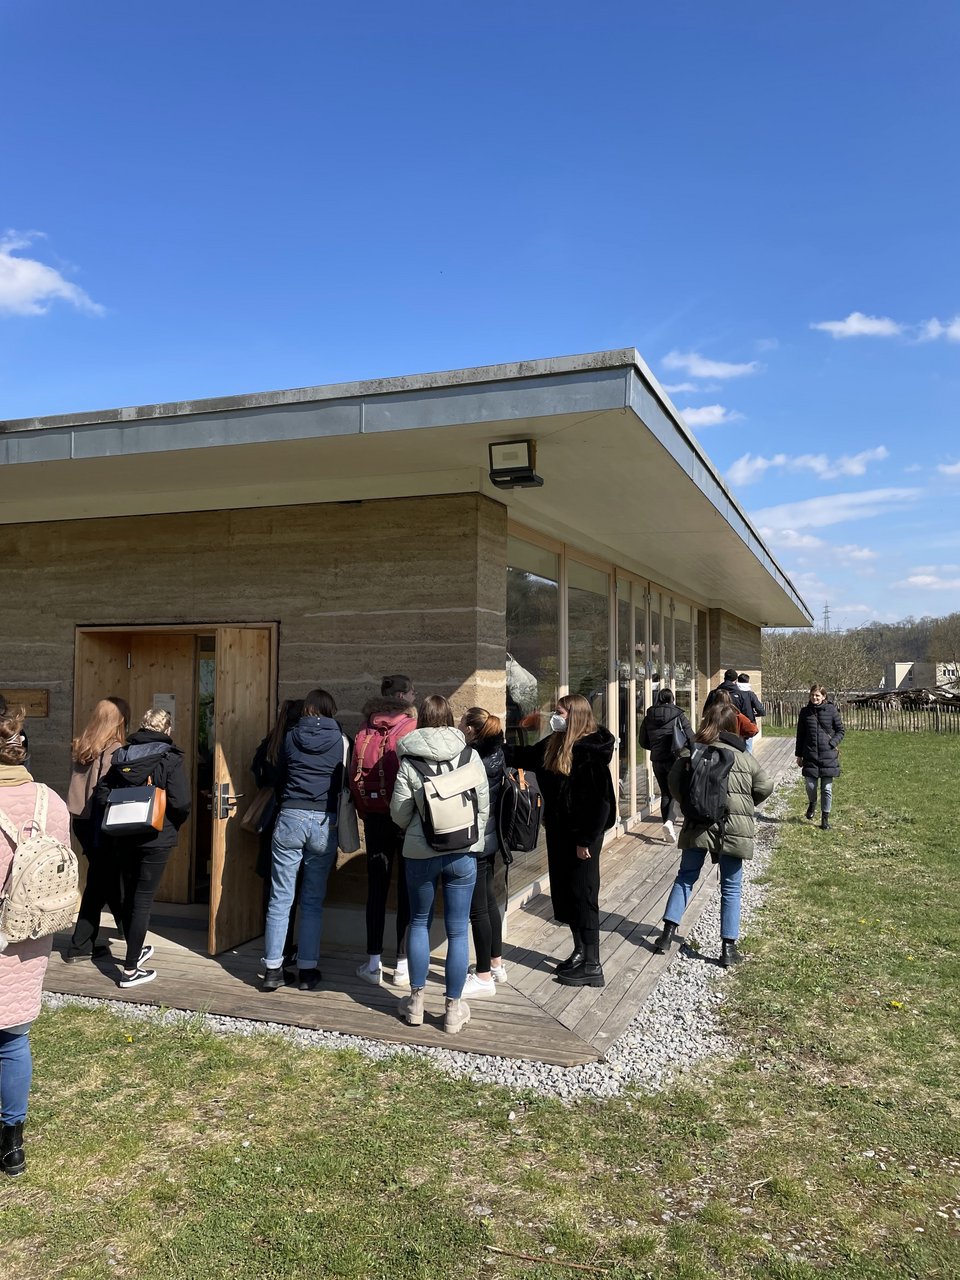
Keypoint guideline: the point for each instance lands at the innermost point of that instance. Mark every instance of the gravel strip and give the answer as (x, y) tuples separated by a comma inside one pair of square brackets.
[(673, 1031)]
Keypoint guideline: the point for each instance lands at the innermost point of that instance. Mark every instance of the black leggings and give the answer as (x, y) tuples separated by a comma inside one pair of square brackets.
[(662, 774), (575, 884), (141, 871), (384, 841), (101, 890), (485, 914)]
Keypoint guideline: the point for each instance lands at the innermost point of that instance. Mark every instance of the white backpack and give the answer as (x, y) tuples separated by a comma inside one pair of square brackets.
[(450, 810), (40, 895)]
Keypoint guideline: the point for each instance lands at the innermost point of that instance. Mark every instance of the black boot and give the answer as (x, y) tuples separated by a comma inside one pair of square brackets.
[(811, 810), (587, 973), (308, 979), (729, 955), (577, 955), (273, 980), (825, 822), (12, 1160), (661, 945)]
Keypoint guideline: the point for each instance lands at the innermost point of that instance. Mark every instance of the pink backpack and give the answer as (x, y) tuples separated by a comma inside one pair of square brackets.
[(375, 763)]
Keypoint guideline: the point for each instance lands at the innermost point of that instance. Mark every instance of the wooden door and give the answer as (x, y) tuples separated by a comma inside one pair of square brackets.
[(102, 670), (243, 713)]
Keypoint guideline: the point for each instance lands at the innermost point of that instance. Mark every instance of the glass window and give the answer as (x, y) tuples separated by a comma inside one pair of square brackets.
[(588, 635), (683, 658), (657, 661), (625, 686), (533, 665), (642, 686), (533, 639), (703, 671)]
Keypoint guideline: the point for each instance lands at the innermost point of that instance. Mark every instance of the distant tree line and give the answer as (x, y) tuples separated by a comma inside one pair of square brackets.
[(853, 661)]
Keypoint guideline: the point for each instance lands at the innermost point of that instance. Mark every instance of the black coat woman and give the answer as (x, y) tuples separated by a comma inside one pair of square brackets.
[(819, 734), (579, 804), (484, 732), (149, 755), (663, 722)]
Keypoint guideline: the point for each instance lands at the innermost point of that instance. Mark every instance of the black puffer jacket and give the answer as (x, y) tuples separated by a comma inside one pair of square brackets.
[(149, 755), (583, 805), (656, 731), (490, 751), (819, 734)]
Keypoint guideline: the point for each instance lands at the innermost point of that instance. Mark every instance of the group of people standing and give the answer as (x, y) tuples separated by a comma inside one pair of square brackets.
[(398, 748), (309, 763)]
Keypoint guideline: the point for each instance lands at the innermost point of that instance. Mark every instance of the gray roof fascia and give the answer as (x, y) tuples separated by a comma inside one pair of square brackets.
[(652, 405)]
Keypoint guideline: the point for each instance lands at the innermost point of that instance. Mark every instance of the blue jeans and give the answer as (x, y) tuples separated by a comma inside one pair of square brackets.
[(458, 873), (731, 889), (310, 837), (826, 793), (16, 1068)]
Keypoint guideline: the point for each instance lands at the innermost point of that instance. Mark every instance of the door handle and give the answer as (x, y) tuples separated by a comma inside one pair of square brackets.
[(226, 803)]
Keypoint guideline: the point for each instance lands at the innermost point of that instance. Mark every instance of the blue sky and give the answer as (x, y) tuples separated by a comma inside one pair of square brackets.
[(204, 199)]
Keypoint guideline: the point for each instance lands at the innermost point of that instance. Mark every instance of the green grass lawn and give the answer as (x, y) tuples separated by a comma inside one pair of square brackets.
[(829, 1145)]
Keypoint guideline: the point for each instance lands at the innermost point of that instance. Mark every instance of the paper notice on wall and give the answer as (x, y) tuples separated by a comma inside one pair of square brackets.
[(167, 702)]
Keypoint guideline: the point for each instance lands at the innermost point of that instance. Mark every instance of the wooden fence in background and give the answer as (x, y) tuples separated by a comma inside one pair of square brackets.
[(874, 716)]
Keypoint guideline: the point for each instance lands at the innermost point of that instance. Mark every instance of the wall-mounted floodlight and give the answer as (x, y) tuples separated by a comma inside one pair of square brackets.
[(512, 465)]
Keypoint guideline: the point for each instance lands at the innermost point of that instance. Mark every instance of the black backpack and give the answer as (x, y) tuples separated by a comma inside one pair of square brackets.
[(704, 784), (518, 814)]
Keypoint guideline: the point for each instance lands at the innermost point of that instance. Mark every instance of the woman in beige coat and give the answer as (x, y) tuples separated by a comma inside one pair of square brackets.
[(22, 964)]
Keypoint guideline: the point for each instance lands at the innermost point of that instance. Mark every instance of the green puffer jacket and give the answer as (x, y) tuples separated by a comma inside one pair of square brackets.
[(747, 786)]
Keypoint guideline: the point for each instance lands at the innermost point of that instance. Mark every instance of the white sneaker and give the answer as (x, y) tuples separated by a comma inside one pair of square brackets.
[(401, 978), (373, 976), (500, 975), (475, 986), (670, 831)]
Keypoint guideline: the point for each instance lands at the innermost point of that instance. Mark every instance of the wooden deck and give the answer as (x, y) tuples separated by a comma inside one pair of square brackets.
[(531, 1017)]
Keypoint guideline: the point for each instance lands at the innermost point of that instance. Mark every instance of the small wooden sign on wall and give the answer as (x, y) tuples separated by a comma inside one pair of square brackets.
[(35, 701)]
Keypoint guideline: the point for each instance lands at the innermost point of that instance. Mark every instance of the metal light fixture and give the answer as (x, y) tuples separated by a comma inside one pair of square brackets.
[(512, 465)]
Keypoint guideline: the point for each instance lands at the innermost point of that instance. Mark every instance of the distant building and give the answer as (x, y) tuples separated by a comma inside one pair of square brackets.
[(900, 676)]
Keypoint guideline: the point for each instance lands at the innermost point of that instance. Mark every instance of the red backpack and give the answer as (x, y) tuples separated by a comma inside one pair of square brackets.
[(375, 764)]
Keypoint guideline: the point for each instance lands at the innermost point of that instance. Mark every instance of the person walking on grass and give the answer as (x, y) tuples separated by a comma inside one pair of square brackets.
[(373, 773), (22, 964), (92, 755), (657, 733), (579, 804), (484, 732), (819, 734), (728, 841), (310, 772), (434, 748), (142, 856)]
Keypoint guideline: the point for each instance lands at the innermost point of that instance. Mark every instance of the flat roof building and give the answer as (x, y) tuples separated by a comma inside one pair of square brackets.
[(218, 556)]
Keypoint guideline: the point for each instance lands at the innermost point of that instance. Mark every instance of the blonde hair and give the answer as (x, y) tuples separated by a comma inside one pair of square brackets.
[(12, 750), (482, 722), (581, 721), (719, 717), (157, 719), (107, 724)]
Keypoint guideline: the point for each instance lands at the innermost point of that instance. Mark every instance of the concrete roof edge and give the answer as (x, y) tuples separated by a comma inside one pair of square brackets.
[(615, 359)]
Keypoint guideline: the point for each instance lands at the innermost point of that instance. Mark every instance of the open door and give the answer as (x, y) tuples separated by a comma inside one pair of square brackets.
[(243, 715)]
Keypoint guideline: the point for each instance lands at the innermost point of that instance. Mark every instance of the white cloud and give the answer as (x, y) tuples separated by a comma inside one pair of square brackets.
[(949, 468), (857, 325), (750, 468), (675, 387), (698, 366), (709, 415), (932, 578), (933, 329), (793, 540), (852, 554), (834, 508), (27, 286)]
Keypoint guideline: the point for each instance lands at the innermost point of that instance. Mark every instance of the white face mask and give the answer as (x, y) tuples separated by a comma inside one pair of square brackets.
[(558, 723)]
